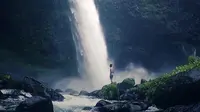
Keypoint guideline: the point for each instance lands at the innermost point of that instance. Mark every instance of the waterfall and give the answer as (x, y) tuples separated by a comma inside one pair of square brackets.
[(90, 43)]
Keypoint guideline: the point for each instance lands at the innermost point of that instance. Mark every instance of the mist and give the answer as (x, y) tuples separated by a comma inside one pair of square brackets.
[(82, 83)]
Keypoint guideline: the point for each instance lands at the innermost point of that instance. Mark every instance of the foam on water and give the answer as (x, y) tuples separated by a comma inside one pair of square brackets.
[(74, 104)]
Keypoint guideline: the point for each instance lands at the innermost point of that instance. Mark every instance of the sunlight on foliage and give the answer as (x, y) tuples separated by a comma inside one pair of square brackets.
[(148, 88)]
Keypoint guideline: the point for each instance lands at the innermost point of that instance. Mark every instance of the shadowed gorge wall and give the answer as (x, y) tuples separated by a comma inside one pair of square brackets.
[(151, 33), (36, 35)]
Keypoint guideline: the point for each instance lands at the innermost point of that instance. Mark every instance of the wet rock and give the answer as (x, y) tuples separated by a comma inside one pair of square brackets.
[(58, 90), (15, 93), (153, 109), (2, 109), (1, 95), (35, 104), (84, 93), (96, 93), (128, 96), (102, 103), (184, 108), (11, 103), (36, 88), (87, 108), (121, 107), (54, 96), (109, 92), (71, 92), (129, 107), (125, 85), (181, 89)]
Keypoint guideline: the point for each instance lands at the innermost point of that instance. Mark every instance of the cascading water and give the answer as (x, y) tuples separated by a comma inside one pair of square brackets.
[(91, 54), (90, 44)]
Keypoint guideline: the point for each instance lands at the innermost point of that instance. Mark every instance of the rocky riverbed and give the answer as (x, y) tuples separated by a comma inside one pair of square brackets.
[(177, 91)]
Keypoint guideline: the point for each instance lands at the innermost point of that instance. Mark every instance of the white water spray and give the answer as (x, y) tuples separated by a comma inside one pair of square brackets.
[(90, 43)]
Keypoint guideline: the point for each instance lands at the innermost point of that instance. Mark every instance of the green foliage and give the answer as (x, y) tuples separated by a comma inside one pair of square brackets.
[(143, 81), (110, 91), (192, 59), (5, 77), (129, 81), (149, 88)]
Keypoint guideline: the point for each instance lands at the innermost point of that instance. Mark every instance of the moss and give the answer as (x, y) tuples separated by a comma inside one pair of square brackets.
[(149, 88), (110, 91), (129, 81)]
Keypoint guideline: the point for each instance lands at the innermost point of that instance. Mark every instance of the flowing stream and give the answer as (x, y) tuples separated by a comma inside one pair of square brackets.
[(75, 104)]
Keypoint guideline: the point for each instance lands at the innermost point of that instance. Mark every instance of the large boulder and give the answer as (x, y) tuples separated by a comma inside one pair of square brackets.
[(35, 104), (13, 93), (36, 88), (102, 103), (58, 90), (71, 92), (128, 96), (120, 107), (126, 84), (109, 92), (85, 93), (12, 98), (181, 89), (181, 86), (96, 93), (87, 108)]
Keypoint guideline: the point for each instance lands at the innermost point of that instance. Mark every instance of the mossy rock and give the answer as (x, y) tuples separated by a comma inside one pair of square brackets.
[(126, 84), (129, 81), (150, 89), (143, 81), (110, 91)]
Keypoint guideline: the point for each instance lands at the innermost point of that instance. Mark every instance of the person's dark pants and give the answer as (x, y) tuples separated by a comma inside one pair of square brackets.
[(111, 77)]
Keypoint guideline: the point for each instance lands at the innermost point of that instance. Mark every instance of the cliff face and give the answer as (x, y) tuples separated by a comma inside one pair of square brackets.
[(150, 32), (36, 36)]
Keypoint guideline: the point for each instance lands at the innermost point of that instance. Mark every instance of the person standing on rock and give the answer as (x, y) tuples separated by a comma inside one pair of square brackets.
[(111, 73)]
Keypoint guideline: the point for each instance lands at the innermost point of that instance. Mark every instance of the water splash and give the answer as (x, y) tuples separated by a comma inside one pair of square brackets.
[(90, 44), (74, 104)]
